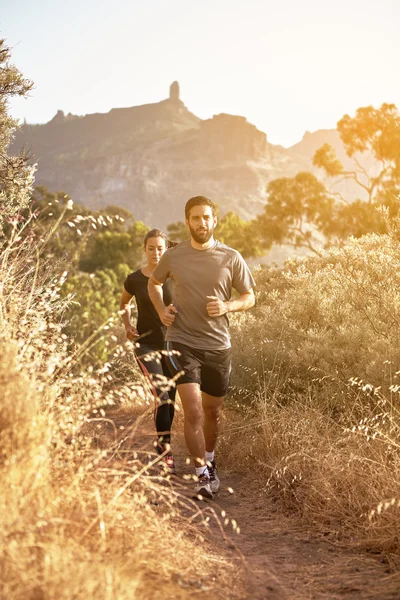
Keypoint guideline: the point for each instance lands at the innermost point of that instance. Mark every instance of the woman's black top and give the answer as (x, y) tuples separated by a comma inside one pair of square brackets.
[(148, 321)]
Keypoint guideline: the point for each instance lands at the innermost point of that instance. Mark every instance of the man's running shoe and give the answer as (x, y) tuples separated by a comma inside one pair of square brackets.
[(202, 489), (167, 461), (214, 479)]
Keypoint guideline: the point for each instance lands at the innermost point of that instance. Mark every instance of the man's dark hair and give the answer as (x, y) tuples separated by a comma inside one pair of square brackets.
[(199, 201)]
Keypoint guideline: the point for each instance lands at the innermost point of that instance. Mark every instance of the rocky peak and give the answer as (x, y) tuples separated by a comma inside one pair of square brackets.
[(58, 117), (174, 92), (61, 117), (231, 137)]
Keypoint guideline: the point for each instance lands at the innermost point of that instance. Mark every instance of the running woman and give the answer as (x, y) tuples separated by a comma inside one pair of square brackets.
[(149, 335), (204, 272)]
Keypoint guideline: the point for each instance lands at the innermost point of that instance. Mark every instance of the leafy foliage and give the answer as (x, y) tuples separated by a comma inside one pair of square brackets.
[(373, 132), (301, 212), (93, 301), (297, 208), (178, 232), (355, 219), (231, 230), (16, 176), (111, 249), (94, 250), (240, 234)]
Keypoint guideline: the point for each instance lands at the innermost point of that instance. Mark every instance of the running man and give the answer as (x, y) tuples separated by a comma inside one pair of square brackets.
[(204, 271)]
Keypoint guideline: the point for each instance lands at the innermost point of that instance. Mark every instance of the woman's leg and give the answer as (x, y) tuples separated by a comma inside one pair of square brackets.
[(151, 364), (171, 393)]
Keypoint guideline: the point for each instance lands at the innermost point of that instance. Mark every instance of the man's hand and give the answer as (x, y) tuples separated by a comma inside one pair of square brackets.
[(167, 316), (216, 307), (131, 332)]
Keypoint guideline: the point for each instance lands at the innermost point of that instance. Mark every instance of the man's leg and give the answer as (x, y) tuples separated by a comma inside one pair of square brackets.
[(212, 409), (214, 382), (191, 399), (189, 361)]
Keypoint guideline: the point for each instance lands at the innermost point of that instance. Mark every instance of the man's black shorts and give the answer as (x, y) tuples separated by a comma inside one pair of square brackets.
[(209, 368)]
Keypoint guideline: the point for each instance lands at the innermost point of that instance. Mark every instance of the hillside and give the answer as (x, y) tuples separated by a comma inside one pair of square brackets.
[(152, 158)]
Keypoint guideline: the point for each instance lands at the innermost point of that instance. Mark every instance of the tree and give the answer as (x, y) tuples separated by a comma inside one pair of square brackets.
[(78, 237), (297, 209), (178, 232), (371, 133), (119, 219), (355, 219), (94, 298), (16, 176), (109, 249), (231, 230), (241, 235)]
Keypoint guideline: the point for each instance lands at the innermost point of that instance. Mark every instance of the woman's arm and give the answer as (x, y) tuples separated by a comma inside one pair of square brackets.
[(131, 331)]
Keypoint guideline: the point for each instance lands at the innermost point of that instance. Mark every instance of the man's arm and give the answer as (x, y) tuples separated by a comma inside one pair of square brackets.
[(166, 313), (217, 308)]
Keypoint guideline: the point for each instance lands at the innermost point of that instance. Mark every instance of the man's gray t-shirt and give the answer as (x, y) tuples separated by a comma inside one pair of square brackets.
[(198, 274)]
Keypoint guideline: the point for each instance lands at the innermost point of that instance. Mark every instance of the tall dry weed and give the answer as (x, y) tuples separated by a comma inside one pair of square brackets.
[(79, 520), (316, 368)]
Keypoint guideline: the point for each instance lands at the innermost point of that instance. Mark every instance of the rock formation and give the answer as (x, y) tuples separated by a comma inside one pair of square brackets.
[(152, 158), (174, 92)]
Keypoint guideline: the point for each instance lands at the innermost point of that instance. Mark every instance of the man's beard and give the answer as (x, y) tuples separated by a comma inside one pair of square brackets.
[(201, 237)]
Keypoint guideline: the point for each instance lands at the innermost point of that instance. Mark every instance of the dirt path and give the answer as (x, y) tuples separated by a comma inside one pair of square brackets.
[(283, 560), (278, 558)]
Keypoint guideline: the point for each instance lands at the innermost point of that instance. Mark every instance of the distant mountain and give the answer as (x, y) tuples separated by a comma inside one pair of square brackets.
[(152, 158)]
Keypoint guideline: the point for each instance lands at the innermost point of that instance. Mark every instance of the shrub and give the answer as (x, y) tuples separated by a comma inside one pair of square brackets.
[(323, 321), (317, 365)]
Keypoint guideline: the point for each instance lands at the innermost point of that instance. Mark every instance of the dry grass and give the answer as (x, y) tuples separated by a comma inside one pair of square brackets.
[(343, 482), (325, 445), (79, 521)]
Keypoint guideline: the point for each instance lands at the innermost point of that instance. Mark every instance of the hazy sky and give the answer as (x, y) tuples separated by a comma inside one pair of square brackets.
[(287, 65)]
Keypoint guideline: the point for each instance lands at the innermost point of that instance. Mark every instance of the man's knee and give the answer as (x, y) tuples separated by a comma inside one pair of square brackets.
[(212, 412), (193, 416)]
